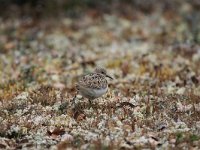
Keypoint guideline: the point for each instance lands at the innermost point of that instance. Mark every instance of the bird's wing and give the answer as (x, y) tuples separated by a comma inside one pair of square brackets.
[(93, 80)]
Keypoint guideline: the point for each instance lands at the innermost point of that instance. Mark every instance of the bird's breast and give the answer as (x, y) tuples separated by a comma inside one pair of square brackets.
[(100, 92)]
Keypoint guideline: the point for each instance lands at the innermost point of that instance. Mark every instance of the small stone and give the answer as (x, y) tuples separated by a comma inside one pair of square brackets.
[(172, 141), (67, 137), (181, 91), (79, 96)]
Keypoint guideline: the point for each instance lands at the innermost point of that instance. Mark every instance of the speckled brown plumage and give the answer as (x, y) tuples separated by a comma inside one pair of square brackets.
[(93, 80)]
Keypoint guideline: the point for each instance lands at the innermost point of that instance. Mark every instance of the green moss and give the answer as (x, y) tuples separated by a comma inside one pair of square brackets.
[(194, 137), (179, 137)]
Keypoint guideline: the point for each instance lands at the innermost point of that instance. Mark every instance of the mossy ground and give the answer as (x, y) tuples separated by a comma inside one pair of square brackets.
[(153, 101)]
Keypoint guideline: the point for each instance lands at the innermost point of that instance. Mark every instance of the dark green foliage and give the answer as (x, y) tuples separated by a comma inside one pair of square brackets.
[(63, 107), (194, 137)]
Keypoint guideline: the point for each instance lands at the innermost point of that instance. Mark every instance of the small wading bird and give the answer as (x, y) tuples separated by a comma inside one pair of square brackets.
[(93, 85)]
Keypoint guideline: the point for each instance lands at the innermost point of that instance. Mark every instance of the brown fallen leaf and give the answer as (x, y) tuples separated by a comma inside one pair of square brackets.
[(56, 132)]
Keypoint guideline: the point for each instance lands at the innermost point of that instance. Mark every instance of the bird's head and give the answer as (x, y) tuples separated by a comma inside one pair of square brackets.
[(103, 71)]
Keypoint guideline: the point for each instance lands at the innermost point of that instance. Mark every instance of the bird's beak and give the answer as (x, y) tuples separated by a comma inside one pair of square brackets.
[(109, 77)]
